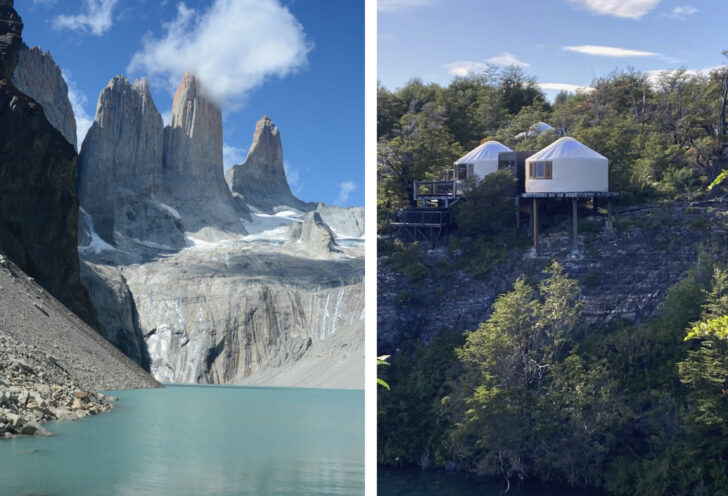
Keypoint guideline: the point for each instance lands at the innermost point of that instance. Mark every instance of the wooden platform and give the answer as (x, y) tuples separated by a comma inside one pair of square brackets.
[(444, 193), (575, 194), (421, 224)]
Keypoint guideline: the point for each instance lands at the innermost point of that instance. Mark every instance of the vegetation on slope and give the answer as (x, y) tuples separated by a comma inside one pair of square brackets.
[(535, 392)]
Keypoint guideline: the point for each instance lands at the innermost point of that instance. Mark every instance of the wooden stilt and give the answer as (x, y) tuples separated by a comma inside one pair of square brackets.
[(609, 214), (534, 214), (575, 223)]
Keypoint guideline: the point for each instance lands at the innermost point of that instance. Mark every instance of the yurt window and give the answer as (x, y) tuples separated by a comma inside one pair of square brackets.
[(462, 171), (541, 169)]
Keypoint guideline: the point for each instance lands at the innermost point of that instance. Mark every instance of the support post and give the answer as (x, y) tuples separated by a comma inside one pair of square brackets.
[(518, 212), (609, 214), (595, 206), (575, 223), (534, 214)]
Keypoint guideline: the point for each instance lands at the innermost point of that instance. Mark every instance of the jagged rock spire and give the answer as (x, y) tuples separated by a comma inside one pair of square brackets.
[(38, 76), (261, 180), (120, 176), (193, 167)]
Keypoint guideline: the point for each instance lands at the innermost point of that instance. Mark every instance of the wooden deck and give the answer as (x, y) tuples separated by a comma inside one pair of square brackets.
[(421, 224)]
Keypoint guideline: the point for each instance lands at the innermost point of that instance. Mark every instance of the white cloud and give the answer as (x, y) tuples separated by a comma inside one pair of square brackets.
[(506, 58), (166, 116), (231, 155), (294, 178), (629, 9), (231, 48), (683, 12), (654, 76), (345, 189), (607, 51), (564, 87), (97, 19), (78, 103), (394, 5), (465, 67)]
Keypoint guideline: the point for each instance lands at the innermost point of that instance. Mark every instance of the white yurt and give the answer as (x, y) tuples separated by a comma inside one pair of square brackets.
[(536, 129), (566, 166), (480, 161)]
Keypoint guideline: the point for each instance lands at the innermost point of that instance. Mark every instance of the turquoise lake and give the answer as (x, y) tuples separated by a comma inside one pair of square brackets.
[(198, 440)]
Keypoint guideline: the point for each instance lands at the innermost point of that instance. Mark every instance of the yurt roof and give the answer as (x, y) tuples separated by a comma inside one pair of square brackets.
[(485, 152), (540, 127), (566, 147)]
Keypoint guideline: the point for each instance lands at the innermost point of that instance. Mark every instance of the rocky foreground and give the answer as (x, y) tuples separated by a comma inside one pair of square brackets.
[(34, 388)]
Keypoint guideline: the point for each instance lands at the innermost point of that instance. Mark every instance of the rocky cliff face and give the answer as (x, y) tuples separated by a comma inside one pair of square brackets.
[(186, 280), (624, 274), (314, 237), (120, 171), (38, 76), (221, 312), (261, 181), (38, 202), (193, 168)]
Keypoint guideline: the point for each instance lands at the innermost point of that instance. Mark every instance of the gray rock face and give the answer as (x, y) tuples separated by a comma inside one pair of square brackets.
[(38, 76), (114, 304), (219, 314), (261, 181), (193, 168), (313, 237), (120, 176), (346, 222)]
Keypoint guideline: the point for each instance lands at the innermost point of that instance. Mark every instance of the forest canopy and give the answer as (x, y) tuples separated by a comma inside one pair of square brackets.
[(664, 134)]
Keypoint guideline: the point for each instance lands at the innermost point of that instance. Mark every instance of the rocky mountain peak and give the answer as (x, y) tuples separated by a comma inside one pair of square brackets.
[(261, 180), (38, 76), (120, 168), (266, 148), (193, 166), (11, 27)]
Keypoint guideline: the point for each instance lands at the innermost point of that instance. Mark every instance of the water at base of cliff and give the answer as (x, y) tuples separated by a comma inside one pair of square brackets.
[(195, 440), (415, 482)]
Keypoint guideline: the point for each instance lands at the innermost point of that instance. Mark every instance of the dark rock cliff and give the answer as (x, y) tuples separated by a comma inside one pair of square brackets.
[(38, 201), (624, 273)]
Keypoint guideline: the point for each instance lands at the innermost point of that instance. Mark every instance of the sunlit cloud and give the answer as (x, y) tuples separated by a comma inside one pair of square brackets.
[(683, 12), (232, 47), (96, 19), (345, 189), (564, 87), (607, 51), (628, 9), (506, 58), (78, 104), (465, 67), (394, 5)]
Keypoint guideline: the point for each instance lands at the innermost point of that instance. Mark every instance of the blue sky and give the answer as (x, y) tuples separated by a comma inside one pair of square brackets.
[(287, 59), (561, 42)]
